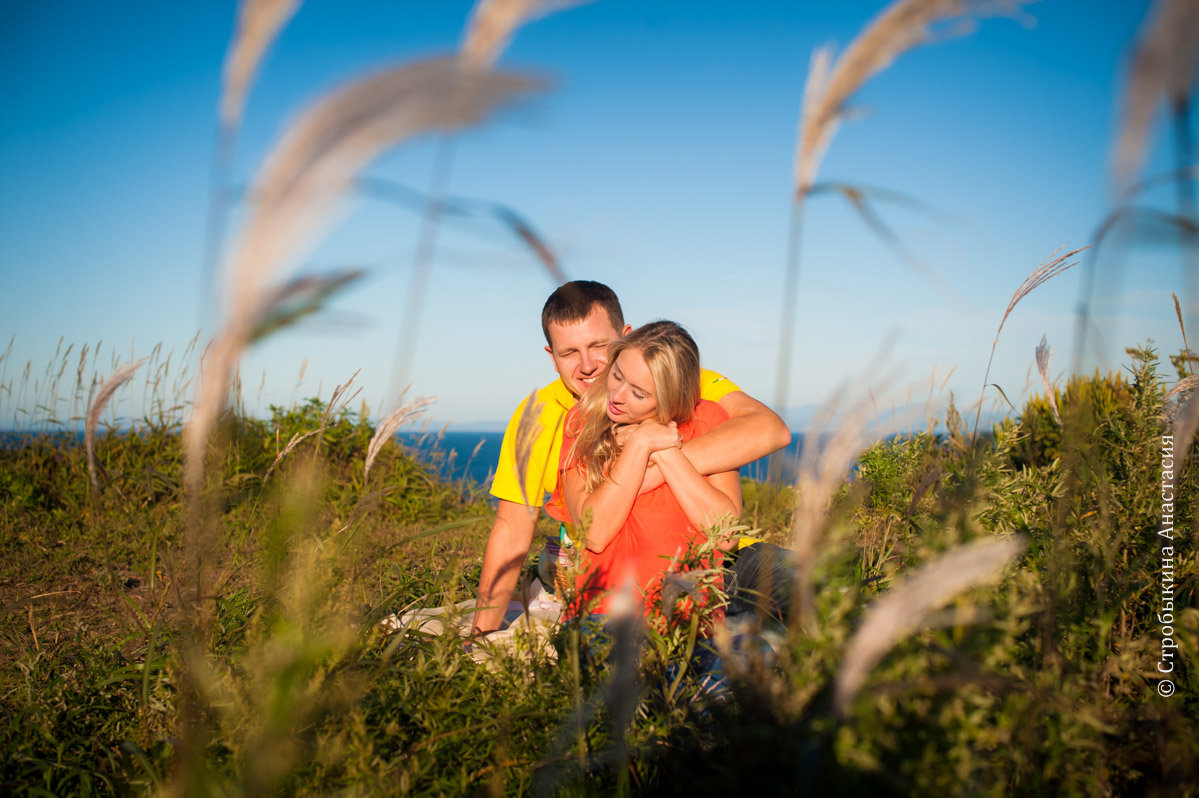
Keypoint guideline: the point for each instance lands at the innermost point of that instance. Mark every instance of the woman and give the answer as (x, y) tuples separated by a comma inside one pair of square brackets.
[(637, 416)]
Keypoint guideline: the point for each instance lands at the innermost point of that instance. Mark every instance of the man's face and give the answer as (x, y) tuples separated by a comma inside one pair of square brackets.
[(580, 350)]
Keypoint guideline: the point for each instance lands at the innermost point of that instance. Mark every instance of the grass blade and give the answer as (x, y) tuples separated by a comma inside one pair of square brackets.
[(908, 605), (102, 397)]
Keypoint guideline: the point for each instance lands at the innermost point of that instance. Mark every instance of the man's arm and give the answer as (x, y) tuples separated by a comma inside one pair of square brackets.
[(752, 432), (507, 546), (705, 500)]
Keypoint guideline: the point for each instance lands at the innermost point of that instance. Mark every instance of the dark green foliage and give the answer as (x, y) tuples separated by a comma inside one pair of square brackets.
[(1089, 404), (1039, 684)]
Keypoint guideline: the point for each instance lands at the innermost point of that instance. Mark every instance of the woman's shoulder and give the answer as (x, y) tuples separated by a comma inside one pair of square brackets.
[(572, 422), (707, 415)]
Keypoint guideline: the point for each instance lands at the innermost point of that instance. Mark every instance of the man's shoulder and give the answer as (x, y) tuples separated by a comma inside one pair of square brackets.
[(715, 386), (552, 401), (555, 393)]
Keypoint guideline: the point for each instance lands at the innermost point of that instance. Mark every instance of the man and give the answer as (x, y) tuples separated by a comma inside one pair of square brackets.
[(579, 320)]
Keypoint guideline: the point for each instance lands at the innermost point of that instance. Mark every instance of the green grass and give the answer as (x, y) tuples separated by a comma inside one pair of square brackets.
[(1042, 683)]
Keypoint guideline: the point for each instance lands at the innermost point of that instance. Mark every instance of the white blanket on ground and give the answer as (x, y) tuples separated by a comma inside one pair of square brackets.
[(526, 629)]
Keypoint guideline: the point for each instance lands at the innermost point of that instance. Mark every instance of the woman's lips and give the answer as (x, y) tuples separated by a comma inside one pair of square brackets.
[(613, 410)]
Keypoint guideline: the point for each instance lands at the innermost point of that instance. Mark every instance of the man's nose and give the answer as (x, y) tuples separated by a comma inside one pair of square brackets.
[(588, 363)]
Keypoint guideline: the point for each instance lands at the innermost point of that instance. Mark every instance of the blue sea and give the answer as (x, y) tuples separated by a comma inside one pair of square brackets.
[(463, 455), (473, 455)]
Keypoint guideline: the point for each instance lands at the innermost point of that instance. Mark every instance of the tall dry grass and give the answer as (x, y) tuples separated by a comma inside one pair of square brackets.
[(307, 171), (1054, 265), (828, 91), (528, 429), (490, 28), (493, 22), (102, 397), (1044, 357), (388, 427), (297, 188), (1162, 69), (258, 23), (908, 605), (901, 26)]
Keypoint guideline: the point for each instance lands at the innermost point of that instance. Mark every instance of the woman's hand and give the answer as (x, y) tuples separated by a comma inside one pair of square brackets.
[(654, 436)]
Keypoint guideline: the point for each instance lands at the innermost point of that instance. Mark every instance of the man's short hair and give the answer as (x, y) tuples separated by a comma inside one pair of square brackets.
[(572, 302)]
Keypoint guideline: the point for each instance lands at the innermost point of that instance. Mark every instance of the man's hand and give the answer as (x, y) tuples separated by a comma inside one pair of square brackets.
[(507, 546)]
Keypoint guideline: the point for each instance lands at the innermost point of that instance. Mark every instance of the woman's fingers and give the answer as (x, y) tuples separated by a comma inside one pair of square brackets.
[(622, 434), (658, 436)]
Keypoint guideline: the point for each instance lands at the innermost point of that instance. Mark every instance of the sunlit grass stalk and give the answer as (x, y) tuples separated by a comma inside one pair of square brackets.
[(491, 26), (388, 426), (422, 262), (1189, 231), (907, 605), (828, 91), (105, 393), (1052, 267)]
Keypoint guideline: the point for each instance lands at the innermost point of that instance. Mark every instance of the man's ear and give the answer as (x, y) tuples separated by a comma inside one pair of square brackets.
[(549, 351), (628, 328)]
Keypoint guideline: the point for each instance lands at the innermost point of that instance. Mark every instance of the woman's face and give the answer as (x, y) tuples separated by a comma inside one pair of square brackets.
[(631, 397)]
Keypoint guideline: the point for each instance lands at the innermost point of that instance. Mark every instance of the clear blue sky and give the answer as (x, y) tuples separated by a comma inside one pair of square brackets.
[(660, 163)]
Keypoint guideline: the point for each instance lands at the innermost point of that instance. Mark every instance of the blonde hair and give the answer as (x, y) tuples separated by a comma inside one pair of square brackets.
[(673, 360)]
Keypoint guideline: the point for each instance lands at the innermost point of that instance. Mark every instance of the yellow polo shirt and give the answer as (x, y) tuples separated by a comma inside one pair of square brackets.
[(541, 473)]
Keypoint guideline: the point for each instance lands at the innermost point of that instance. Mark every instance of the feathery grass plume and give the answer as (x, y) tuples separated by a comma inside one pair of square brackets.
[(492, 23), (824, 462), (1055, 265), (1186, 347), (388, 426), (527, 432), (317, 157), (302, 178), (623, 691), (1182, 387), (1162, 68), (1185, 428), (1044, 356), (258, 23), (296, 439), (298, 298), (1116, 225), (902, 26), (339, 400), (536, 243), (909, 604), (463, 208), (863, 200), (94, 408)]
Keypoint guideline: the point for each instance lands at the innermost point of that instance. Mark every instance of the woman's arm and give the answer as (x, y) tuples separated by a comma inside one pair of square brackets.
[(610, 503), (752, 431), (704, 499)]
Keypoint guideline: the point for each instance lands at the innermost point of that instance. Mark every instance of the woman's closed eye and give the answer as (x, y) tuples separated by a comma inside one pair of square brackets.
[(620, 378)]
